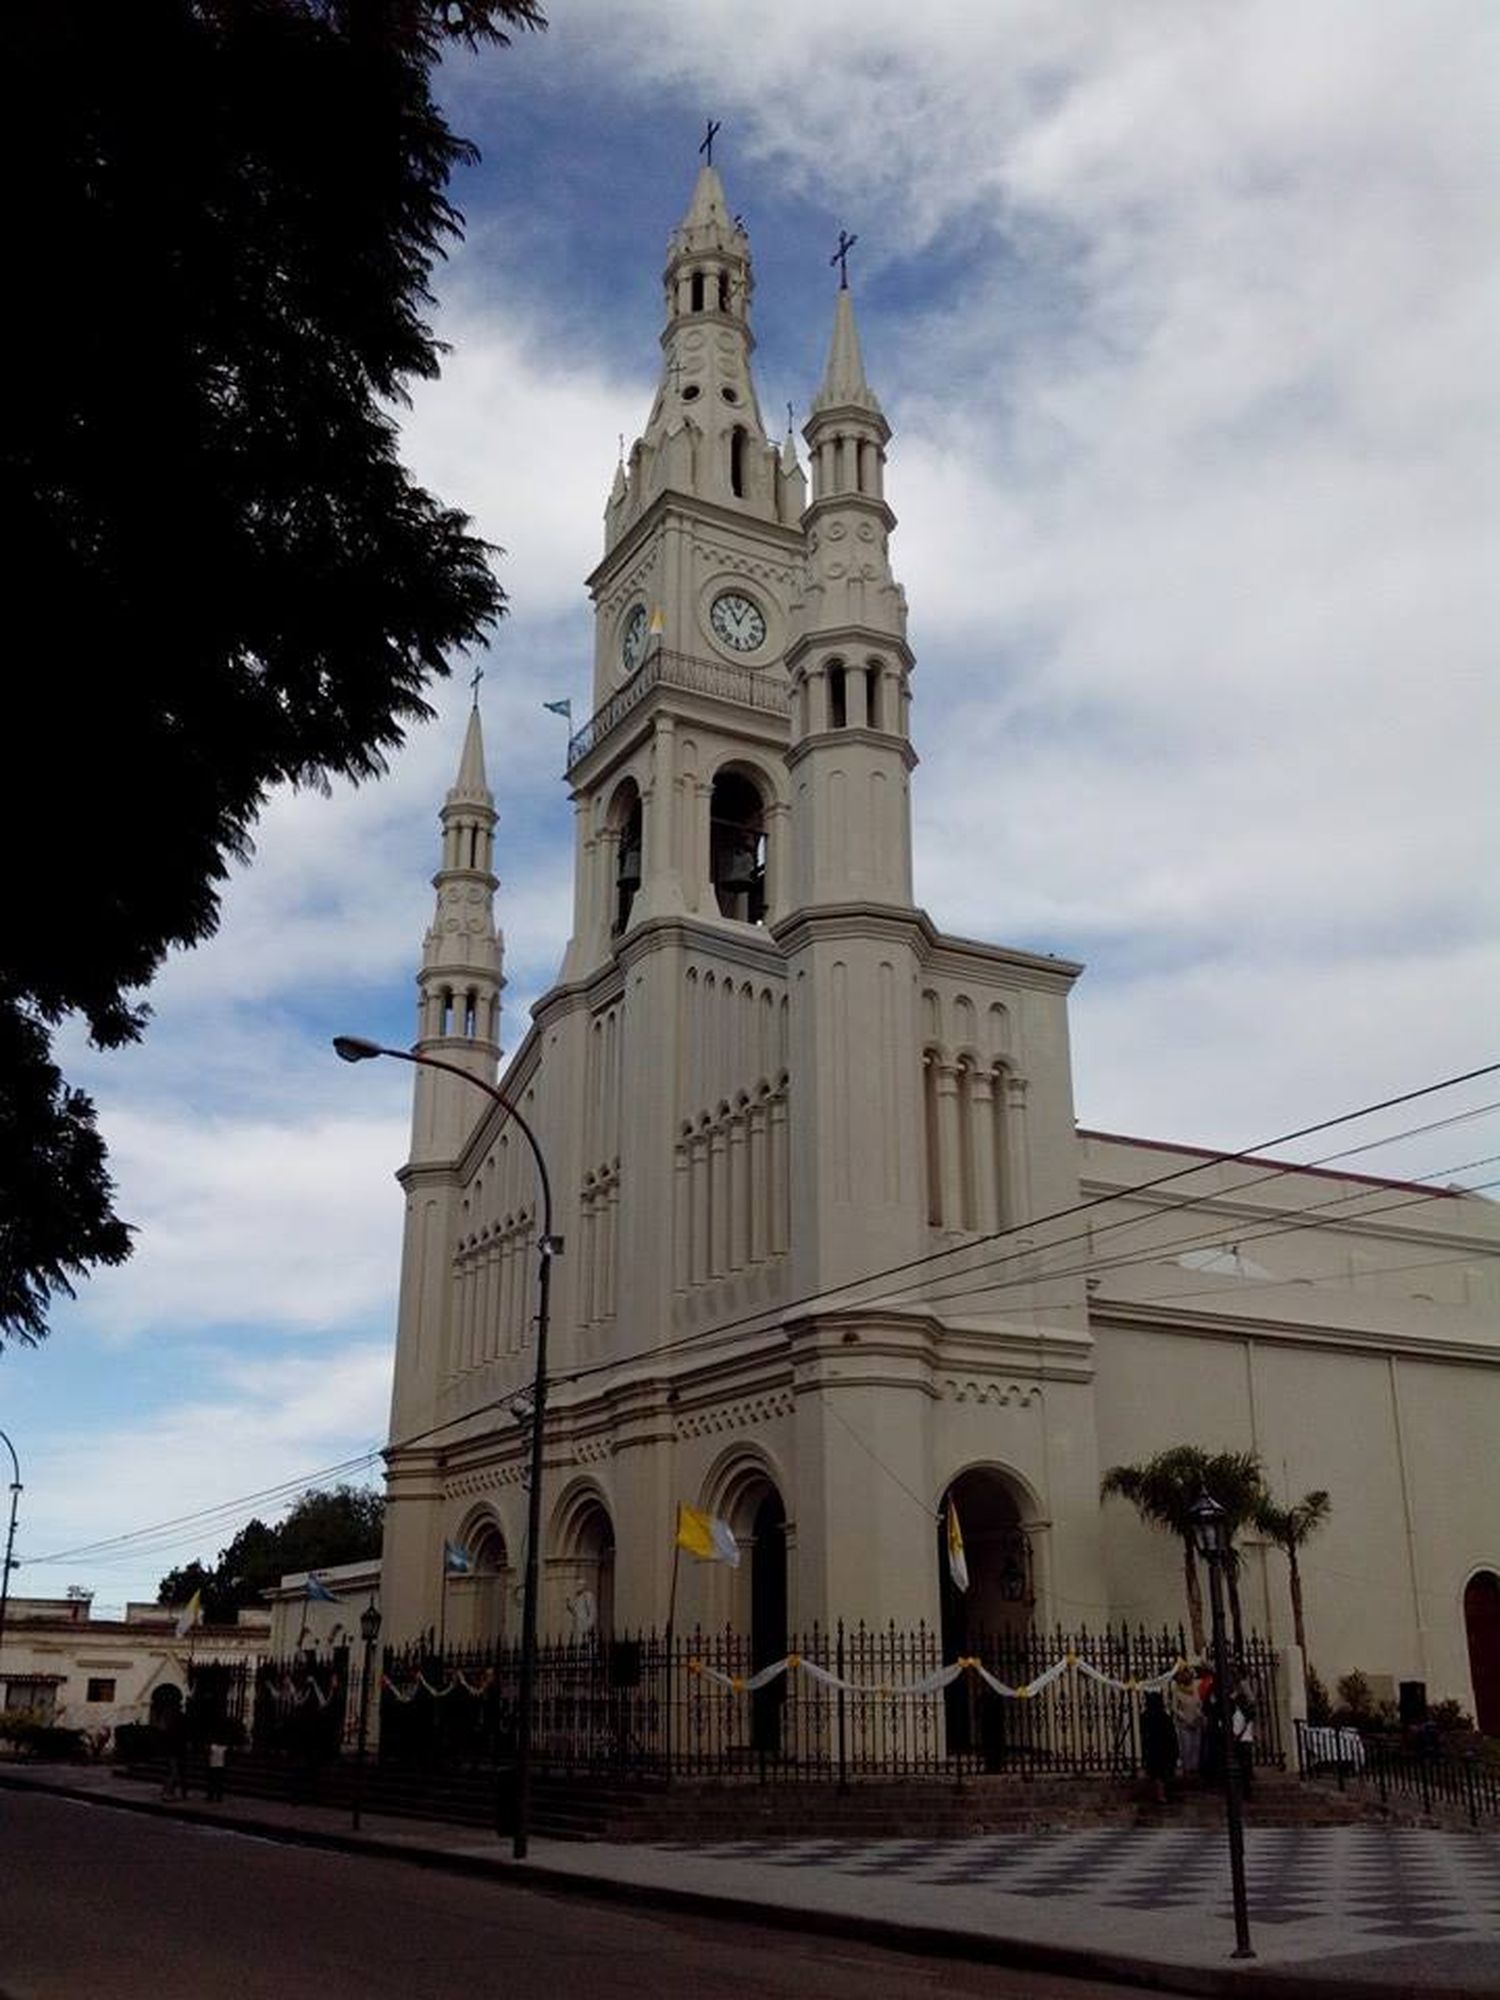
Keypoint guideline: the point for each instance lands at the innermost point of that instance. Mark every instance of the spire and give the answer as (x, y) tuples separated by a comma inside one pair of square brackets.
[(705, 437), (844, 386), (463, 956), (471, 787)]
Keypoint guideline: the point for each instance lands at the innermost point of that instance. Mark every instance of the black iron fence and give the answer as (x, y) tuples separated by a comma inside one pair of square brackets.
[(1390, 1768), (853, 1702), (296, 1707)]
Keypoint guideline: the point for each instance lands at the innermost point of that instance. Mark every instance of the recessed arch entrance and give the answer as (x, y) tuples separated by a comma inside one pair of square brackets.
[(476, 1599), (992, 1509), (582, 1572), (1482, 1630), (750, 1500)]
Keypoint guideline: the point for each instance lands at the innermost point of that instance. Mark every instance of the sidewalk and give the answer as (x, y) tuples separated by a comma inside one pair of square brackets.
[(1346, 1912)]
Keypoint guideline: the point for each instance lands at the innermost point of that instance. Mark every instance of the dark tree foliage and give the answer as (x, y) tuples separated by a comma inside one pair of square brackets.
[(322, 1529), (222, 219)]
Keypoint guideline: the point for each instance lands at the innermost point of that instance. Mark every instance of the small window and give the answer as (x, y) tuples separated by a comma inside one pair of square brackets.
[(838, 700), (723, 291), (101, 1689), (873, 679), (729, 395), (691, 392), (697, 293), (737, 461)]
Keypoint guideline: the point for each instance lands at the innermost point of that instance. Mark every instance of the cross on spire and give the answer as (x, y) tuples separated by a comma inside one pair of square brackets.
[(841, 257), (474, 679), (707, 148)]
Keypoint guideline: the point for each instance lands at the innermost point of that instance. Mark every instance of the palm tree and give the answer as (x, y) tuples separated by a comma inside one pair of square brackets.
[(1291, 1528), (1163, 1489)]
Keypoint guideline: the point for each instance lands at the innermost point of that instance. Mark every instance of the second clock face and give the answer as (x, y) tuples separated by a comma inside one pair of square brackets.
[(633, 639), (738, 621)]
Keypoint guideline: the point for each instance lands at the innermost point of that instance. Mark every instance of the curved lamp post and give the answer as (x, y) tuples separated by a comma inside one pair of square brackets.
[(10, 1533), (1211, 1540), (354, 1048)]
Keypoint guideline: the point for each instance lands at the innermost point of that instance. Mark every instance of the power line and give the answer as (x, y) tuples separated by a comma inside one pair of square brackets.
[(769, 1316), (196, 1524)]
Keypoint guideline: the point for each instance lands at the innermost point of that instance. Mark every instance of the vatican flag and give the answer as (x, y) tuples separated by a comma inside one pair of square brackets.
[(706, 1536), (190, 1615), (958, 1563)]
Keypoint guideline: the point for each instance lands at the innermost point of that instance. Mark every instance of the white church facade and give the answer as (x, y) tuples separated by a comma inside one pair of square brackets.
[(834, 1248)]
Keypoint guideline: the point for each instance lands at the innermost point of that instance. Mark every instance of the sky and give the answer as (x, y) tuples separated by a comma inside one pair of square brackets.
[(1184, 317)]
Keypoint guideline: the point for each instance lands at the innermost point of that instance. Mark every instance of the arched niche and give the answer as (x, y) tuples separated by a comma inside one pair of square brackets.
[(1482, 1631)]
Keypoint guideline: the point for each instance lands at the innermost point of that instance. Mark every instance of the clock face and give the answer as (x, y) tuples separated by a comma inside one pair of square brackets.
[(738, 621), (633, 639)]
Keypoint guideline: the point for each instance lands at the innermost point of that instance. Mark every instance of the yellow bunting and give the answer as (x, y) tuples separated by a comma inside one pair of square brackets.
[(1023, 1694), (737, 1682), (1072, 1659), (695, 1666), (794, 1659)]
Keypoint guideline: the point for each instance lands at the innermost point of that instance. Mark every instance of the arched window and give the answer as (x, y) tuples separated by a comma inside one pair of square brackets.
[(737, 848), (838, 696), (625, 817), (737, 461), (723, 291), (873, 683), (697, 292)]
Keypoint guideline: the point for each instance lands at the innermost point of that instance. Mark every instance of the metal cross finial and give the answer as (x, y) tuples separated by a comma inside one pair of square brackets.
[(841, 257), (474, 679), (707, 148), (791, 421)]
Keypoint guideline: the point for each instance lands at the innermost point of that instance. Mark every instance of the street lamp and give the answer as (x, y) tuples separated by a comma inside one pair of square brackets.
[(1211, 1540), (10, 1534), (369, 1631), (354, 1048)]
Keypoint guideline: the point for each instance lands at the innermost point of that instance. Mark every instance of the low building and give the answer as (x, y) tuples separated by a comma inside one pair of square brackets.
[(63, 1666)]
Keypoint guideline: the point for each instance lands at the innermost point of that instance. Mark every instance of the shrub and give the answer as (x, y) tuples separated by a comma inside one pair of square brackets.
[(1319, 1707)]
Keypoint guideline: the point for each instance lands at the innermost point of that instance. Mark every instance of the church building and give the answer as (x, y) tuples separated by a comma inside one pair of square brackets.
[(834, 1250)]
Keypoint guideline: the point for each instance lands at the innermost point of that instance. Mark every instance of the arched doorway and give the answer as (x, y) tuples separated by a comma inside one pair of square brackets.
[(750, 1501), (475, 1599), (1482, 1628), (994, 1612), (768, 1618), (584, 1571)]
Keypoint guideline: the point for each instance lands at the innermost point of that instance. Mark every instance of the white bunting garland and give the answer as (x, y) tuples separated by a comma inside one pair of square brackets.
[(933, 1683)]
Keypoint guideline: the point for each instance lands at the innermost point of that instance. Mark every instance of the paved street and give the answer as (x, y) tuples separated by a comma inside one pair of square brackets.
[(101, 1905)]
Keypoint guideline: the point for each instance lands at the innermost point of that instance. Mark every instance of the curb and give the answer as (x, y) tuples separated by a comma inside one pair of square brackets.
[(887, 1933)]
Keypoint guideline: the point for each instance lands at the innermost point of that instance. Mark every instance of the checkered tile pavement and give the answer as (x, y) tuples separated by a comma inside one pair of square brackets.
[(1377, 1885)]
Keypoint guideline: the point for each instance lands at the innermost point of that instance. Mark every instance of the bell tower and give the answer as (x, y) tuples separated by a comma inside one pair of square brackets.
[(678, 778), (851, 933)]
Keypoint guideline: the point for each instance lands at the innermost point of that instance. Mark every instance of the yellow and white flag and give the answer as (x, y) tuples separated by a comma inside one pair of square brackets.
[(706, 1536), (958, 1563), (190, 1615)]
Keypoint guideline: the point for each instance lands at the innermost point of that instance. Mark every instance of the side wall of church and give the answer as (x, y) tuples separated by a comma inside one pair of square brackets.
[(1403, 1444)]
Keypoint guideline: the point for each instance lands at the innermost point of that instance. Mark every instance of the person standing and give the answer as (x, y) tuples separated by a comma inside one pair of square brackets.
[(1186, 1711), (1242, 1725), (218, 1759), (1158, 1746)]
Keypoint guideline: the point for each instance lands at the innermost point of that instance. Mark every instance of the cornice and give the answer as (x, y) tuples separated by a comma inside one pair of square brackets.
[(878, 739), (1156, 1317), (671, 508)]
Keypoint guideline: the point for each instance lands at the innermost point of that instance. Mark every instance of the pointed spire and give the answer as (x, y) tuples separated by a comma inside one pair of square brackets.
[(471, 785), (844, 385)]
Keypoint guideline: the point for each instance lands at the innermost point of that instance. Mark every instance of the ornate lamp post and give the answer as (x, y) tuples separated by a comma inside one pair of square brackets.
[(369, 1631), (10, 1533), (1211, 1540), (354, 1048)]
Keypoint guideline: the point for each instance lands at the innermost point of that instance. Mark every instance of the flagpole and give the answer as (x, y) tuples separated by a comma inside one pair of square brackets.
[(671, 1622), (443, 1607)]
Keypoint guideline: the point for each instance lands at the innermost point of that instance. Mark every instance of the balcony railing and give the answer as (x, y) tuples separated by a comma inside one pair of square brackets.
[(748, 686)]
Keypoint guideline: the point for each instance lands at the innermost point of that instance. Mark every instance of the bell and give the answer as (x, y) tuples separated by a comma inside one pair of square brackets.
[(738, 869)]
